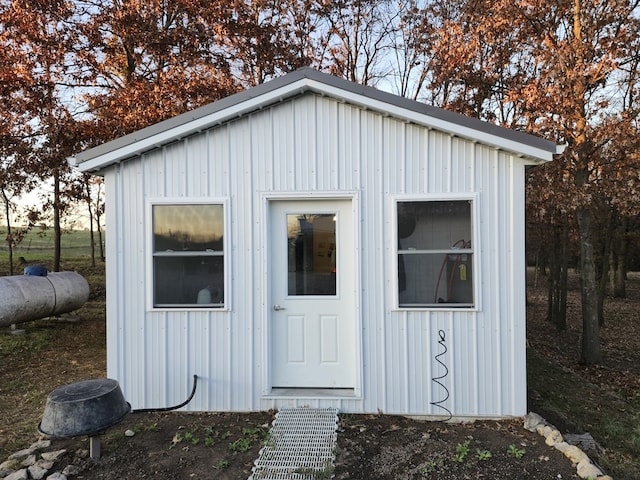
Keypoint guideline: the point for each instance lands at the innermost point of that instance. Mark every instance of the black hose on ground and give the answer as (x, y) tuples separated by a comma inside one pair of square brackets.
[(175, 407)]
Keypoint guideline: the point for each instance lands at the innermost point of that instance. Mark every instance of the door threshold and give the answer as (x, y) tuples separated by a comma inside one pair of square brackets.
[(289, 392)]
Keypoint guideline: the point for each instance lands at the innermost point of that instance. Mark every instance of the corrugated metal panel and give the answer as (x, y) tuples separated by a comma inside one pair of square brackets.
[(310, 144)]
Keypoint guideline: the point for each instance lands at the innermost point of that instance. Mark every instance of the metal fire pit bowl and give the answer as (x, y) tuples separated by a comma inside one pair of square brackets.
[(84, 408)]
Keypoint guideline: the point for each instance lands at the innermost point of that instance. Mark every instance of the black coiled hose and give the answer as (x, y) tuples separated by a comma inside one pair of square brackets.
[(438, 380)]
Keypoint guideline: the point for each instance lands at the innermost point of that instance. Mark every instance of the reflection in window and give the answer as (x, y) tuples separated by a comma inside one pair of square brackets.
[(435, 255), (311, 240), (188, 256)]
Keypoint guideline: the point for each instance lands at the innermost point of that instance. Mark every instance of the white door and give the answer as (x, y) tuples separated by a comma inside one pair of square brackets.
[(312, 294)]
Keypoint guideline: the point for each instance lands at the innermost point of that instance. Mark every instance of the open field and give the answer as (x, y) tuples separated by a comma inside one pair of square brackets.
[(37, 247)]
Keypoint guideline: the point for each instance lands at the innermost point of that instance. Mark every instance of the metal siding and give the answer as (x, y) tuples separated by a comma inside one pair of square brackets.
[(314, 143), (348, 147), (242, 261), (374, 311)]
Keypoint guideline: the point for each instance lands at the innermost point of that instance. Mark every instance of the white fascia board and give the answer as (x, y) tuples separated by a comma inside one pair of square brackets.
[(435, 123), (189, 128), (183, 126)]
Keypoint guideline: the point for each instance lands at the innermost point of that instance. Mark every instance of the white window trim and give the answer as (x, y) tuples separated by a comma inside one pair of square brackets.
[(474, 198), (226, 243)]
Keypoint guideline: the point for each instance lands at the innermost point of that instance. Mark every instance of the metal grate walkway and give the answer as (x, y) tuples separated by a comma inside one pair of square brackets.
[(300, 446)]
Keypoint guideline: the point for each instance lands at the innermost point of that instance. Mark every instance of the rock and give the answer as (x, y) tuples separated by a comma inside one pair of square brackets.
[(553, 438), (53, 456), (5, 472), (585, 441), (30, 460), (42, 463), (544, 430), (9, 465), (129, 433), (40, 445), (19, 475), (21, 454), (70, 470), (37, 473), (576, 455), (82, 453), (561, 446), (57, 476), (532, 420), (586, 469)]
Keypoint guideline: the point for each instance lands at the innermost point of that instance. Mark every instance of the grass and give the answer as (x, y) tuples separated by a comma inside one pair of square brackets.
[(613, 421), (37, 247)]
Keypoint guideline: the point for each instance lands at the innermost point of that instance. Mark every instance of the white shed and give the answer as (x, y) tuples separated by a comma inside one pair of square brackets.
[(312, 241)]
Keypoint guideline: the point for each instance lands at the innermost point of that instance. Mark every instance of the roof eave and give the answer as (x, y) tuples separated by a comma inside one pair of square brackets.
[(298, 82)]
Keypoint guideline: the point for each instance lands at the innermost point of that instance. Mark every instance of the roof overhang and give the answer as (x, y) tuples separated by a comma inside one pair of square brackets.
[(304, 80)]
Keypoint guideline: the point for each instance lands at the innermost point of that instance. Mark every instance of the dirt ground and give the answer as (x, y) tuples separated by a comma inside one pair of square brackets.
[(176, 446), (224, 445)]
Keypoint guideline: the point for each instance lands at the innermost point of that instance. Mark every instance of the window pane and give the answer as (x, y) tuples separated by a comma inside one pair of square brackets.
[(311, 240), (435, 278), (432, 270), (187, 228), (193, 281), (437, 225)]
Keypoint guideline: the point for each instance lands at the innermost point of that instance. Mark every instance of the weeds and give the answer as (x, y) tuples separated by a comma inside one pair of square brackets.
[(323, 473), (483, 455), (243, 444), (431, 467), (462, 450), (515, 451)]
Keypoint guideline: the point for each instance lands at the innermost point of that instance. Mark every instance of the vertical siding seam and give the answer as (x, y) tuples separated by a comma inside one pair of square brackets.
[(406, 361), (251, 214), (272, 167), (232, 278), (335, 161), (473, 162), (449, 163), (510, 297), (497, 300), (208, 163), (294, 149), (185, 167), (315, 172), (144, 272), (427, 160)]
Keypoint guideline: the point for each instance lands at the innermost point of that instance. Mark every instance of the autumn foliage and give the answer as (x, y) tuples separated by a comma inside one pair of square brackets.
[(76, 73)]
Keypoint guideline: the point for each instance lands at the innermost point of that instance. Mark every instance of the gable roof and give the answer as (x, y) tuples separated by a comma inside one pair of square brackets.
[(310, 80)]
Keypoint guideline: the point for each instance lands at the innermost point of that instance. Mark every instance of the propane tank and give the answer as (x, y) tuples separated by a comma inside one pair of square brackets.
[(29, 297)]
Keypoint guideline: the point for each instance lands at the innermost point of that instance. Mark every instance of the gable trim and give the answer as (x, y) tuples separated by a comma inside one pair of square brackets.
[(297, 83)]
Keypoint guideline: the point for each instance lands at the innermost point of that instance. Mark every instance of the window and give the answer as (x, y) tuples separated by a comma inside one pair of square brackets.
[(435, 254), (188, 255)]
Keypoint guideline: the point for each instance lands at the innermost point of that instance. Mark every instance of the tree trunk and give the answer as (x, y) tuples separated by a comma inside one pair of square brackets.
[(559, 264), (591, 353), (606, 246), (7, 216), (91, 233), (604, 273), (57, 235), (620, 280)]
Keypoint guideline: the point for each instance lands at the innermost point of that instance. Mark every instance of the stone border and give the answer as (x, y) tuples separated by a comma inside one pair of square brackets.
[(585, 467), (35, 463)]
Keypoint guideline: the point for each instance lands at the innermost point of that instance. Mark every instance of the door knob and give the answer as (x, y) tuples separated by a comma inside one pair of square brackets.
[(277, 308)]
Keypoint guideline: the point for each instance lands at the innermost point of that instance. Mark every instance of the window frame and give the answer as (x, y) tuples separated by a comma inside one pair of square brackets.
[(474, 199), (222, 201)]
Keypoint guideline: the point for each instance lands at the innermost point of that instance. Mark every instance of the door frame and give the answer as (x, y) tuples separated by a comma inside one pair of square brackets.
[(266, 298)]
